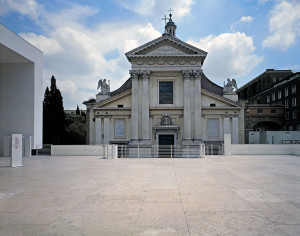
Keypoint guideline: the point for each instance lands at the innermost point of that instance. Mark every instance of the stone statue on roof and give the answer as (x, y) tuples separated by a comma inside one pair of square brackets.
[(229, 86), (105, 87)]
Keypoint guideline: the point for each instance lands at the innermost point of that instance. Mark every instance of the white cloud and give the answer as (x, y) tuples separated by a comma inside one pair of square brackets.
[(25, 7), (284, 26), (75, 54), (246, 19), (230, 55), (263, 1), (158, 8)]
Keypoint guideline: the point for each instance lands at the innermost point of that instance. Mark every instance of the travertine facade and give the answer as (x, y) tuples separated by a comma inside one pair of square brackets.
[(166, 100)]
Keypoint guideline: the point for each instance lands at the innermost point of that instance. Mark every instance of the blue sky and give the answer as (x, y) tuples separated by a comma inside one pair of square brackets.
[(85, 40)]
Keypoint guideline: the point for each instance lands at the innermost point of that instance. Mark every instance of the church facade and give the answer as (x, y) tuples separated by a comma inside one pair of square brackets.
[(167, 100)]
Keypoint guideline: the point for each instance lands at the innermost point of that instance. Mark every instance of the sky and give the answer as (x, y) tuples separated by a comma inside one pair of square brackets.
[(85, 40)]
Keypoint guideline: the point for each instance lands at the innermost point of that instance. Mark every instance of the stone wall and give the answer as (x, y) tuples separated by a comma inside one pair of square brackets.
[(106, 151)]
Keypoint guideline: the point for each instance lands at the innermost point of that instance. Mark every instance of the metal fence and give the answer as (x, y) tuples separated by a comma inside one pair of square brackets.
[(161, 151), (213, 149)]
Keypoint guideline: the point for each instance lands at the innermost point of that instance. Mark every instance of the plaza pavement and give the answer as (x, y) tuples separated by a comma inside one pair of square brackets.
[(216, 195)]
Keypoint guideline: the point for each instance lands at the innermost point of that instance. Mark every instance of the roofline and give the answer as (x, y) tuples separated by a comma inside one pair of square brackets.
[(111, 99), (265, 72), (20, 37), (161, 38)]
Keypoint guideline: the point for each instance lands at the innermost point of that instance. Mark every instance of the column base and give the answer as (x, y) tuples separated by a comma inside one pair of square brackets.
[(198, 141), (186, 142), (146, 142), (134, 142)]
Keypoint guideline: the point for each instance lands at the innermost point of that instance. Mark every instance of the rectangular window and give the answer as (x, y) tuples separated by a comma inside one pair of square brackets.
[(286, 103), (120, 105), (273, 111), (287, 116), (166, 92), (286, 92), (294, 114), (259, 111), (268, 99), (294, 102), (273, 97), (212, 105), (294, 89), (119, 128), (279, 94)]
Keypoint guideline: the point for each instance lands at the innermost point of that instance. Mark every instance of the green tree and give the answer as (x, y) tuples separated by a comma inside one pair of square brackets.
[(77, 110), (54, 117), (46, 116)]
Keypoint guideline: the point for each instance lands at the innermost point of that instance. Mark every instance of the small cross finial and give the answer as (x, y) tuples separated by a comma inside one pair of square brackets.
[(165, 18), (170, 12)]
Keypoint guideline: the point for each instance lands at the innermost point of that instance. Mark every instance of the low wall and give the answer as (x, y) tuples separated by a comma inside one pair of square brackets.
[(108, 151), (295, 149), (259, 149)]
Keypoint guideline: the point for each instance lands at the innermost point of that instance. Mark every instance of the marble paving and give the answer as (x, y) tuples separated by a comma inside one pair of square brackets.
[(216, 195)]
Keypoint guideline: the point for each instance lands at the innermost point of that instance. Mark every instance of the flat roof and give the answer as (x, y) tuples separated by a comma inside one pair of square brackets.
[(15, 49)]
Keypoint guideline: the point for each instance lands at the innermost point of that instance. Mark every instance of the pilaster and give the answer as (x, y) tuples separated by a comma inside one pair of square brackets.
[(187, 134), (197, 105), (106, 130), (226, 125), (98, 129), (91, 127), (235, 130), (134, 107), (145, 108)]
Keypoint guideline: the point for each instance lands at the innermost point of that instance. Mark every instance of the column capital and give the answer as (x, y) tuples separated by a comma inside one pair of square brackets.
[(145, 74), (187, 74), (134, 74), (197, 74)]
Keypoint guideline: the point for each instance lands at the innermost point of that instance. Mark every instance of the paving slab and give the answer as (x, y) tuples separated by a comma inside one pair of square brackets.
[(216, 195)]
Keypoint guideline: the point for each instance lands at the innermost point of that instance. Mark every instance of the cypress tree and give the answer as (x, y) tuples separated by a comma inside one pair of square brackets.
[(46, 116), (54, 116), (77, 110)]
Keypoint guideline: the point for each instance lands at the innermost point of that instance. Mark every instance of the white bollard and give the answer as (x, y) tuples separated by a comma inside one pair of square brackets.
[(16, 150)]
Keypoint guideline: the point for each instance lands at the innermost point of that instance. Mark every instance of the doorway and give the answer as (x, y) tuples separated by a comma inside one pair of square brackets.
[(165, 141)]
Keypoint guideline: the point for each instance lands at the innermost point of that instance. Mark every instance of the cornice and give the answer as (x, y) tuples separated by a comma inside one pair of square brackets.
[(154, 43), (111, 99)]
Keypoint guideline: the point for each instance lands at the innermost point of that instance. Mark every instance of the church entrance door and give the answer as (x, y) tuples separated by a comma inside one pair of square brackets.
[(165, 141)]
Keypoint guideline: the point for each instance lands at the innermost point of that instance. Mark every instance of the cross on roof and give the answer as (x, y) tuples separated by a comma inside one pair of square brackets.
[(170, 11), (165, 18)]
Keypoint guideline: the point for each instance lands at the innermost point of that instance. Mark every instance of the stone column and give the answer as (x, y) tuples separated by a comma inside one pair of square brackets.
[(134, 107), (145, 108), (197, 106), (226, 125), (235, 130), (106, 130), (91, 127), (187, 134), (98, 129)]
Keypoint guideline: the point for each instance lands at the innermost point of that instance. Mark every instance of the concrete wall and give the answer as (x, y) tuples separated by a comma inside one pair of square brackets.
[(21, 88), (77, 150), (84, 150), (295, 149), (261, 149)]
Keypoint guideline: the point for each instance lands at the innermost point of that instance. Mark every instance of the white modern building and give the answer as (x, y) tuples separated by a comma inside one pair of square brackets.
[(21, 88)]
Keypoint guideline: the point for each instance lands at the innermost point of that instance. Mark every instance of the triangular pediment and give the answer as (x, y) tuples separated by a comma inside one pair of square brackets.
[(166, 50), (166, 46), (219, 101)]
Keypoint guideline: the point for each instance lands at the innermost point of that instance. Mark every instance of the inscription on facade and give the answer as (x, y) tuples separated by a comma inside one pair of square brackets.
[(119, 128), (213, 128)]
